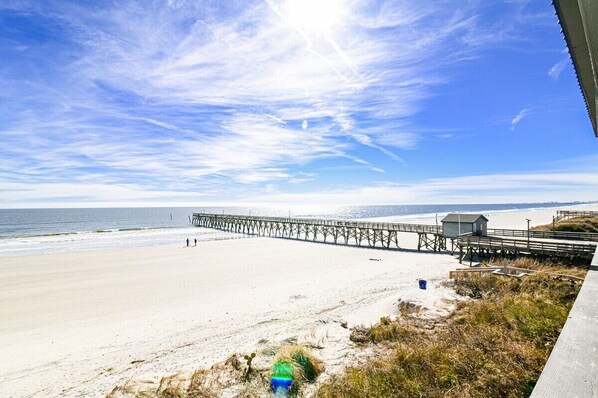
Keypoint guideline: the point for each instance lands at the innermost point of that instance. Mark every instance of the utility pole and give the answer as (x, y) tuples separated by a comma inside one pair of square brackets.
[(528, 220)]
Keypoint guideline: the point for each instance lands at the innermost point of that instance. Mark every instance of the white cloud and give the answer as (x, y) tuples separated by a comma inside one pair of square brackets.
[(556, 69), (522, 113), (161, 97), (403, 140), (302, 177), (491, 188), (23, 193)]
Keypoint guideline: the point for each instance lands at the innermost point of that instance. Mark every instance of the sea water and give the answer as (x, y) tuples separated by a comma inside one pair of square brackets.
[(37, 231)]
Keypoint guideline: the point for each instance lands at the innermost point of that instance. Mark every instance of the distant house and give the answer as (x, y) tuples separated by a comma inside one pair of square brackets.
[(456, 223)]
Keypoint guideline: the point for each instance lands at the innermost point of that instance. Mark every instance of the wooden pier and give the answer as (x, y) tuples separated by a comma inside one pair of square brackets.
[(358, 233), (498, 243)]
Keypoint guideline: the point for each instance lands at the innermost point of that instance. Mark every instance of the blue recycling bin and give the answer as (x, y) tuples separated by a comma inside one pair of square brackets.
[(422, 284)]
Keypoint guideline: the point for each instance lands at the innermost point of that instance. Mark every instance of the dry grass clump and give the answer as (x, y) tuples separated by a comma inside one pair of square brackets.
[(246, 376), (199, 386), (493, 346), (387, 330), (576, 224), (172, 386), (306, 367)]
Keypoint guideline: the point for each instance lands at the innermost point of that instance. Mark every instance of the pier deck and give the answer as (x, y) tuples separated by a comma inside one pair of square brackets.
[(359, 233)]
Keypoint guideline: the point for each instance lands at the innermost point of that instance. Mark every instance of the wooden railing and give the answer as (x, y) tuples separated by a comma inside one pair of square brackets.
[(565, 214), (562, 235), (398, 227), (531, 246)]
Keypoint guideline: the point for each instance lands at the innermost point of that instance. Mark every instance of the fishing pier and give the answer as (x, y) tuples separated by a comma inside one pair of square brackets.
[(356, 233), (492, 243)]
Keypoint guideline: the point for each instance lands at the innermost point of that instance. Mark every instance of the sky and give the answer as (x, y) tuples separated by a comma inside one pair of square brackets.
[(176, 102)]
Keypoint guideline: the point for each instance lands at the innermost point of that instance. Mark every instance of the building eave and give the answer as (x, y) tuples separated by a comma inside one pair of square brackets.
[(579, 24)]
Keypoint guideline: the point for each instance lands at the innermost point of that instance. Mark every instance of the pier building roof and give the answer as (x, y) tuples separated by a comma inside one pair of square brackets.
[(464, 218)]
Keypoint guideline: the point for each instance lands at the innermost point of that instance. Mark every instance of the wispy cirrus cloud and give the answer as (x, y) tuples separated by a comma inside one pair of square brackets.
[(522, 113), (558, 68), (488, 188), (182, 96)]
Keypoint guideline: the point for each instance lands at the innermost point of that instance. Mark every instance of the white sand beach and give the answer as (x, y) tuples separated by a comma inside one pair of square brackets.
[(80, 323)]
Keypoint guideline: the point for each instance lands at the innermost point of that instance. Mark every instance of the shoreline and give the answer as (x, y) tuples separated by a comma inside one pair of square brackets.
[(143, 237)]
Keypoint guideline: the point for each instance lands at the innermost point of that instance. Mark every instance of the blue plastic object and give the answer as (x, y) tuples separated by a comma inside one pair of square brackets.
[(422, 284), (282, 379), (281, 386)]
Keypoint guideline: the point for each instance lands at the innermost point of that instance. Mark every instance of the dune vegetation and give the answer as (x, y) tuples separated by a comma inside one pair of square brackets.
[(494, 345), (576, 224), (239, 376)]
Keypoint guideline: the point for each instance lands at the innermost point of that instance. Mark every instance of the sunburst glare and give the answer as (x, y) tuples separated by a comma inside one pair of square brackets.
[(315, 17)]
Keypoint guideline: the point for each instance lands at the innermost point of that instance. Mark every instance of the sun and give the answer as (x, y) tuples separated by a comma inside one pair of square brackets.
[(315, 16)]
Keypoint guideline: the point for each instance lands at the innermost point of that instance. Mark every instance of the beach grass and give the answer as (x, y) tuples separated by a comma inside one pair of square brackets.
[(575, 224), (232, 376), (494, 345), (306, 366)]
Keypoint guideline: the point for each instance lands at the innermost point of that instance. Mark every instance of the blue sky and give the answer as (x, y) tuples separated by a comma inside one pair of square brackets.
[(289, 101)]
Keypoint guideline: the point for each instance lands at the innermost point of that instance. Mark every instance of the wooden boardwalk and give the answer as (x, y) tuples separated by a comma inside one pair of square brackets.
[(495, 246), (358, 233), (560, 235), (566, 214)]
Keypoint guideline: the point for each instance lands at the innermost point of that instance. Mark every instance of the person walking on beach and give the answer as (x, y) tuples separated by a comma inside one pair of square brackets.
[(195, 241), (187, 242)]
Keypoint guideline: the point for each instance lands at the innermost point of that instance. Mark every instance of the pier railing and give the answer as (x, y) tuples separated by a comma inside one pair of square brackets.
[(399, 227), (489, 246), (562, 235)]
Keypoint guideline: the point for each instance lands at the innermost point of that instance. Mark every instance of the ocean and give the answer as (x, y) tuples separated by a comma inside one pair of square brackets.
[(37, 231)]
